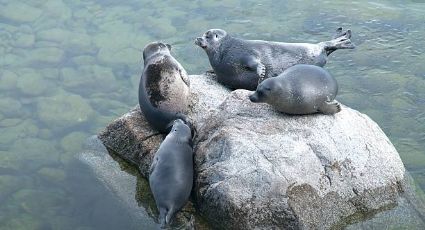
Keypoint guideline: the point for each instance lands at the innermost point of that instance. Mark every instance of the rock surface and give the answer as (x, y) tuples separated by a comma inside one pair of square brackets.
[(256, 168)]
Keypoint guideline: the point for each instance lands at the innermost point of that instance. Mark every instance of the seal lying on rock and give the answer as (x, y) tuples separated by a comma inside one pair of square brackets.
[(164, 87), (171, 172), (301, 89), (242, 64)]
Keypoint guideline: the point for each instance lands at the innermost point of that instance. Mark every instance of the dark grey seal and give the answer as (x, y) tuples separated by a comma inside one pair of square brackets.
[(171, 172), (301, 89), (242, 64), (164, 87)]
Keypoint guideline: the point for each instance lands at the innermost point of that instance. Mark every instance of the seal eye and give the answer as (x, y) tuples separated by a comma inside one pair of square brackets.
[(216, 36)]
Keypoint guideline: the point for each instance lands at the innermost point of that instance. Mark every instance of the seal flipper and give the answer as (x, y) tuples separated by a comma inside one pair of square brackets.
[(254, 64), (338, 33), (341, 40), (330, 107), (165, 215)]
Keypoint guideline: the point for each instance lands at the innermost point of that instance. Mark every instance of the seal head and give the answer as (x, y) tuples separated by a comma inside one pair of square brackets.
[(211, 40), (265, 92), (155, 48)]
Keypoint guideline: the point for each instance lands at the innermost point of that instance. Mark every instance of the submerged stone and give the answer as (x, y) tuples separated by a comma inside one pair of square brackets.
[(9, 183), (64, 110), (19, 12), (8, 80), (10, 107), (54, 34), (57, 9), (46, 55), (23, 40), (89, 79), (33, 84), (9, 134), (127, 56), (72, 142), (10, 122), (52, 174), (23, 221)]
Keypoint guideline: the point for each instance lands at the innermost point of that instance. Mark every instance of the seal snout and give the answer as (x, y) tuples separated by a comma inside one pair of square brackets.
[(200, 42), (253, 97)]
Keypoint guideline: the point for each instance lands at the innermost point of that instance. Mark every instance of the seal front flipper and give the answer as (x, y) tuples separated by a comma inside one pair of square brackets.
[(184, 77), (254, 64), (330, 107)]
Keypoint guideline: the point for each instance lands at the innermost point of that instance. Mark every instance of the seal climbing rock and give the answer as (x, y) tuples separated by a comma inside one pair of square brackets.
[(164, 87), (171, 173), (242, 64), (301, 89)]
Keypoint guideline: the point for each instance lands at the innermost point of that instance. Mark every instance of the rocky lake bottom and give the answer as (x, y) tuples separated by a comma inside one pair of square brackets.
[(69, 68)]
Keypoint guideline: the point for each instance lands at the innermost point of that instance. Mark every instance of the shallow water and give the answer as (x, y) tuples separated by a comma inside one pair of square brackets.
[(68, 68)]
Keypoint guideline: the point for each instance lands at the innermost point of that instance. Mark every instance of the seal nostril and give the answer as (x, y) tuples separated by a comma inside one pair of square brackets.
[(252, 98)]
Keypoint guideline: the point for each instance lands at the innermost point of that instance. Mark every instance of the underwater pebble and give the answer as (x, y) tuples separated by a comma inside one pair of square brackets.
[(33, 84), (8, 80), (72, 142), (10, 122), (10, 107), (63, 110), (46, 55), (52, 174), (19, 12)]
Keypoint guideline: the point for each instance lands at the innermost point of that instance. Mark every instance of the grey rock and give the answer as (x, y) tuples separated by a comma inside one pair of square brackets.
[(259, 169), (116, 180), (135, 141)]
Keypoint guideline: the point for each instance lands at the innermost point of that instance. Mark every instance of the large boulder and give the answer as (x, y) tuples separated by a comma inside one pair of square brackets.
[(259, 169)]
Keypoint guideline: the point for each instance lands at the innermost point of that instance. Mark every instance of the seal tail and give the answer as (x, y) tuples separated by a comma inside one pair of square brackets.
[(341, 40)]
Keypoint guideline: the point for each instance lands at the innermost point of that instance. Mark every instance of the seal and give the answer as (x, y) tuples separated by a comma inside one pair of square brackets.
[(164, 87), (242, 64), (171, 172), (301, 89)]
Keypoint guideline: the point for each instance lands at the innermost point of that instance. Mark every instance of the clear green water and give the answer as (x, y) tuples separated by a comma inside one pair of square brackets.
[(68, 68)]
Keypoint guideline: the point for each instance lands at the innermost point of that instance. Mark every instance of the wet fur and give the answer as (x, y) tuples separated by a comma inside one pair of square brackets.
[(171, 174), (301, 89), (163, 91), (229, 57)]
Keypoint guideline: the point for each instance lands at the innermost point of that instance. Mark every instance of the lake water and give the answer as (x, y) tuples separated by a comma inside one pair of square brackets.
[(68, 68)]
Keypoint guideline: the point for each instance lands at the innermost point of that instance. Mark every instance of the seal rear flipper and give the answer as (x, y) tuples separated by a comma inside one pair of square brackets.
[(330, 107), (162, 219), (339, 32), (340, 41), (165, 216)]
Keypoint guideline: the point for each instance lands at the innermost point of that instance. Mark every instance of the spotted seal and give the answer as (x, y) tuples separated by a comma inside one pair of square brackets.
[(164, 87), (242, 64), (301, 89)]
